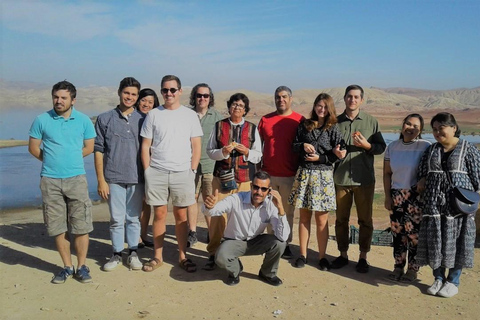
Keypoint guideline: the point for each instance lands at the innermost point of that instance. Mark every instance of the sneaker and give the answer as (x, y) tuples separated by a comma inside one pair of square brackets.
[(287, 254), (133, 262), (339, 262), (435, 287), (362, 266), (83, 275), (192, 239), (63, 275), (324, 265), (448, 290), (114, 261)]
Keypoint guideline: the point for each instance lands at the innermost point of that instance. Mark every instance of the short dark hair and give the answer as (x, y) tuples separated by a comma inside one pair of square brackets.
[(65, 85), (261, 175), (170, 77), (145, 93), (283, 88), (194, 93), (239, 96), (128, 82), (446, 119), (413, 115), (353, 87)]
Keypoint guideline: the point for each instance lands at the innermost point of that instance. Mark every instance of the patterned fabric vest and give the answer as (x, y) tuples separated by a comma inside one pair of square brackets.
[(244, 134)]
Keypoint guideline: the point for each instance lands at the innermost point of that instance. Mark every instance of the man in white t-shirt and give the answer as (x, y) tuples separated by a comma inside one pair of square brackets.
[(171, 149)]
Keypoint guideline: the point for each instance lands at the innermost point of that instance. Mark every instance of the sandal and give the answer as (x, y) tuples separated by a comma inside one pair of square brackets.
[(187, 265), (410, 276), (153, 264), (300, 262), (396, 274)]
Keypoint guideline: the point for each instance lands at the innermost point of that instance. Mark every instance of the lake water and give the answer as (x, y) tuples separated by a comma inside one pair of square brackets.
[(20, 175)]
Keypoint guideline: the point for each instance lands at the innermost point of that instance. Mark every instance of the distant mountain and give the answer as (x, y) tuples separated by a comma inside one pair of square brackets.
[(378, 100)]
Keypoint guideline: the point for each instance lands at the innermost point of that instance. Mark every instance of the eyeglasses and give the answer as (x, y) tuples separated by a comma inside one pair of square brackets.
[(238, 106), (165, 90), (205, 95), (264, 189)]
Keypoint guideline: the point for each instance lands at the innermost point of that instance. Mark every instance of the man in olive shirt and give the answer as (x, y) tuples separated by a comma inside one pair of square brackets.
[(355, 177)]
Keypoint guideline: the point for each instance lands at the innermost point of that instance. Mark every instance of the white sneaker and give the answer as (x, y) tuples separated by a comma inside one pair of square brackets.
[(114, 261), (133, 262), (435, 287), (448, 290)]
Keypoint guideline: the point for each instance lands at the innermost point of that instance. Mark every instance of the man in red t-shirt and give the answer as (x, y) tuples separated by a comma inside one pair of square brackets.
[(277, 131)]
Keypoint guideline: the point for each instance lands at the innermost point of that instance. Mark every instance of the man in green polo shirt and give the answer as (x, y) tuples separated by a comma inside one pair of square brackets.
[(355, 177)]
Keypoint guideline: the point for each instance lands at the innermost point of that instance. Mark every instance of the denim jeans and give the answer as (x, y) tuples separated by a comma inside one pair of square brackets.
[(453, 275), (125, 203)]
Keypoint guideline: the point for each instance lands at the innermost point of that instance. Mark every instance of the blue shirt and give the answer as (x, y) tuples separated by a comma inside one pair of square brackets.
[(118, 138), (63, 141)]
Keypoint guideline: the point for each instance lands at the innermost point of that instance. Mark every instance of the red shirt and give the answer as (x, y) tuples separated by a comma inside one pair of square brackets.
[(277, 133)]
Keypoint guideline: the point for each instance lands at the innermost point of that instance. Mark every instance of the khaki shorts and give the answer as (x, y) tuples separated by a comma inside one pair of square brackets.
[(203, 183), (160, 185), (66, 205)]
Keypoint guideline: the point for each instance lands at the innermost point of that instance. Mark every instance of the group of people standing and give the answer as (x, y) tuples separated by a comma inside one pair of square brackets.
[(251, 179)]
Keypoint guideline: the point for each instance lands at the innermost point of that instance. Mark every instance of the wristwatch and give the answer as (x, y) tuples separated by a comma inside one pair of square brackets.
[(194, 171)]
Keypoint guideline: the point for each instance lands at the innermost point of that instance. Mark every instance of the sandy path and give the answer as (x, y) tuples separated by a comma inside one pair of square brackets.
[(28, 260)]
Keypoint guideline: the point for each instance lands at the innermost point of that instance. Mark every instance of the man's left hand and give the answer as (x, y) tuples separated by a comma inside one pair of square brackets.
[(242, 149)]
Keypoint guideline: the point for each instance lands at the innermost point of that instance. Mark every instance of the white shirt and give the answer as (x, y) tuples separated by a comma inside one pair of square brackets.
[(171, 131), (254, 155), (244, 221)]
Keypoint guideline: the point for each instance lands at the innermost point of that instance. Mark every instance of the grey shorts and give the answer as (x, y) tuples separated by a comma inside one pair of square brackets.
[(160, 185), (66, 205), (203, 183)]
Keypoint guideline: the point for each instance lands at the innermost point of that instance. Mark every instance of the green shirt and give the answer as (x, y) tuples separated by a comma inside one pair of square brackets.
[(208, 124), (356, 169)]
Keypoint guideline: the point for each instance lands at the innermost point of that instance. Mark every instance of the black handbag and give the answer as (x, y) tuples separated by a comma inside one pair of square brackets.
[(463, 200)]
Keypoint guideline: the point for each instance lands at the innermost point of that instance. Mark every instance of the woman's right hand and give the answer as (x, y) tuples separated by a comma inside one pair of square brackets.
[(226, 150), (309, 148)]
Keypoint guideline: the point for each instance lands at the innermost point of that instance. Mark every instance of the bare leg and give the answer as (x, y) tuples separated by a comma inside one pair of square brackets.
[(159, 229), (192, 212), (181, 230), (63, 246), (322, 232), (81, 247), (144, 221), (304, 230)]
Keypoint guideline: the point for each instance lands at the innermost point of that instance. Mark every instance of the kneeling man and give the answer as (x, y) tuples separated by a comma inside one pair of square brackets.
[(248, 214)]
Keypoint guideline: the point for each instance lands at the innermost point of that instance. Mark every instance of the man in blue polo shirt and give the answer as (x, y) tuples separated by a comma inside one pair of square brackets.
[(67, 136)]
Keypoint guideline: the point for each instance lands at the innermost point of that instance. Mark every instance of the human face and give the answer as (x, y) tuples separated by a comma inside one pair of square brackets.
[(146, 104), (171, 99), (128, 97), (237, 110), (283, 102), (411, 129), (321, 109), (200, 100), (353, 99), (443, 134), (62, 102), (258, 196)]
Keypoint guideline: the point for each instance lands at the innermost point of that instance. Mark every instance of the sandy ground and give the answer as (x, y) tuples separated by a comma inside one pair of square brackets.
[(28, 260)]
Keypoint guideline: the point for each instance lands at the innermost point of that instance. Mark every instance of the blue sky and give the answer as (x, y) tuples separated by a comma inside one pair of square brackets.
[(254, 45)]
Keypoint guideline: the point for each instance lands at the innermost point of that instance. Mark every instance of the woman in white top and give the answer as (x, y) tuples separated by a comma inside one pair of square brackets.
[(401, 197)]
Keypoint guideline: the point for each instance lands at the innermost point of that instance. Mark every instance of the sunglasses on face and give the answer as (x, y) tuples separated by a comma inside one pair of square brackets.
[(165, 90), (264, 189), (205, 95)]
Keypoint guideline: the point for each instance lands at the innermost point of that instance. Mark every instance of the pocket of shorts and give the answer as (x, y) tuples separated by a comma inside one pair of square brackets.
[(45, 213)]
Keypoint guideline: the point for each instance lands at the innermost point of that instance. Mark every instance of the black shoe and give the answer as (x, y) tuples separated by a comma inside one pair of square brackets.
[(241, 266), (192, 239), (210, 265), (287, 254), (339, 262), (147, 243), (362, 266), (231, 280), (274, 281), (324, 265), (300, 262)]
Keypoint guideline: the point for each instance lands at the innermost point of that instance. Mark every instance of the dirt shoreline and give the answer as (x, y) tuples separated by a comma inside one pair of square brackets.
[(28, 260)]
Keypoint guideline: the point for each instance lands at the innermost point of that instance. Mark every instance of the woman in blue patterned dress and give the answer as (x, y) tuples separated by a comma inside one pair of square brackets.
[(318, 142), (446, 237)]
